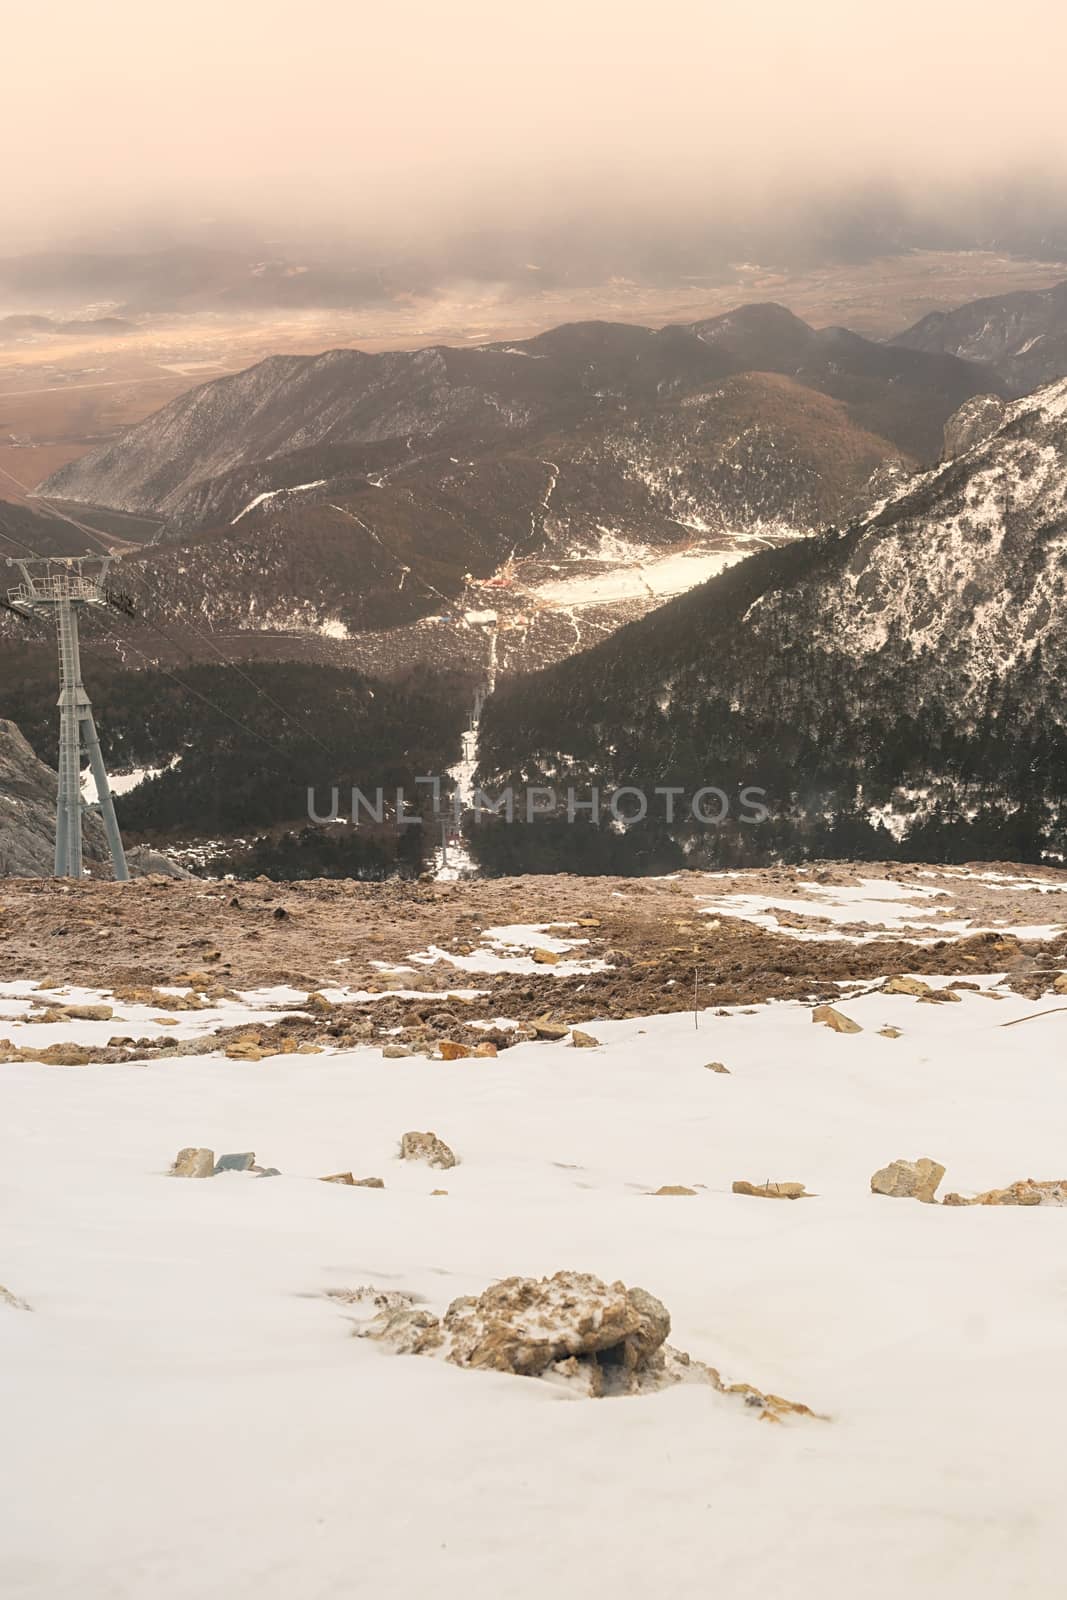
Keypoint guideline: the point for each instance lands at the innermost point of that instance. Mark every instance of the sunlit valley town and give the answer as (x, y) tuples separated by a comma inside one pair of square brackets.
[(533, 632)]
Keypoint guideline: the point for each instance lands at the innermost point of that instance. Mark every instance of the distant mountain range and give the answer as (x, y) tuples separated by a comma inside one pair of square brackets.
[(543, 491)]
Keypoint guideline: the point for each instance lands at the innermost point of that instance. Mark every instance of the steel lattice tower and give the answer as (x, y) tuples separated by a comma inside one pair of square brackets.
[(61, 585)]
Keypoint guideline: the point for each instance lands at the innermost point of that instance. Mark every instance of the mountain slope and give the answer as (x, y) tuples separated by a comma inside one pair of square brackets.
[(927, 644), (1022, 337)]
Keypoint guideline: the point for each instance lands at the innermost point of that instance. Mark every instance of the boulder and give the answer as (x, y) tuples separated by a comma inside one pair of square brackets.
[(583, 1041), (193, 1163), (395, 1052), (426, 1147), (909, 1180)]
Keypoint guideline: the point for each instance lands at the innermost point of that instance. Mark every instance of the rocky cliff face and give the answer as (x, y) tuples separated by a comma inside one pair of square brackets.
[(28, 820)]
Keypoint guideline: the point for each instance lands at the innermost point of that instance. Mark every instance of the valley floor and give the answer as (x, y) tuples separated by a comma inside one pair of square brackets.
[(186, 1411)]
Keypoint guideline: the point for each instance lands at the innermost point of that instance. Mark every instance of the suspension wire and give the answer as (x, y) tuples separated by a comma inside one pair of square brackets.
[(142, 578)]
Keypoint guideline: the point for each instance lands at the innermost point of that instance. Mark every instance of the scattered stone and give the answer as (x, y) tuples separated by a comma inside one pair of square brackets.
[(835, 1019), (583, 1041), (266, 1172), (426, 1147), (395, 1052), (437, 1191), (245, 1050), (338, 1177), (673, 1188), (12, 1300), (1060, 985), (1026, 1192), (716, 1066), (543, 1029), (450, 1051), (906, 985), (589, 922), (165, 1022), (60, 1055), (772, 1191), (545, 958), (369, 1183), (318, 1003), (889, 1032), (86, 1013), (909, 1180), (242, 1161), (193, 1163), (487, 1050)]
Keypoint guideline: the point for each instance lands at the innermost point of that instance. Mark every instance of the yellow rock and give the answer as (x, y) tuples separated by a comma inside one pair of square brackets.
[(772, 1191), (909, 1180), (450, 1051), (545, 958), (675, 1188), (889, 1032), (835, 1019)]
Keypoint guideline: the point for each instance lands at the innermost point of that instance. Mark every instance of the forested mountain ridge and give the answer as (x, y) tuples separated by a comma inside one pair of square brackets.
[(913, 661)]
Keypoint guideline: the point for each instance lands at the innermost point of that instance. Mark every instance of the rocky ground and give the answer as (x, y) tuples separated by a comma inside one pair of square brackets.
[(388, 956)]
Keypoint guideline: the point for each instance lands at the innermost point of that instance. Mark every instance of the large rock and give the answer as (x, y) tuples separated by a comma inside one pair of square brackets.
[(909, 1180), (976, 420), (572, 1329)]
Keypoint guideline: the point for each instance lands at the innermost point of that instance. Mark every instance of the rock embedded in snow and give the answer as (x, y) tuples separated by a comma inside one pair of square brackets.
[(909, 1180), (450, 1051), (906, 985), (238, 1161), (835, 1019), (193, 1163), (426, 1147), (583, 1041), (716, 1066), (395, 1052), (1025, 1192), (544, 1029), (771, 1191), (673, 1188), (12, 1300)]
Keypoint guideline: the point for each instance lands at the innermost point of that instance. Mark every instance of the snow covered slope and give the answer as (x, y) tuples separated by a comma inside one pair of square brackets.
[(187, 1412)]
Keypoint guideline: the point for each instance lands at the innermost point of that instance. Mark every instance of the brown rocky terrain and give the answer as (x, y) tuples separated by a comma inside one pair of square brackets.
[(656, 945)]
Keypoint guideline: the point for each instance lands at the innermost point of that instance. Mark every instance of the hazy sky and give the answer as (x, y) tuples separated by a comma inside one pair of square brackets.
[(390, 116)]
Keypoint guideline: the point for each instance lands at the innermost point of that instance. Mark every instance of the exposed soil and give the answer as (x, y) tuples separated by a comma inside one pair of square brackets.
[(661, 949)]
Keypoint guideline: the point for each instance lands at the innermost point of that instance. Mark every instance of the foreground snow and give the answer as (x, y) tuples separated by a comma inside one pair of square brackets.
[(185, 1414)]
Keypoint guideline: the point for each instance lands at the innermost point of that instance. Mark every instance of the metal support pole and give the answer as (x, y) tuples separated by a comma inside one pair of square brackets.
[(62, 585), (103, 795), (71, 695)]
